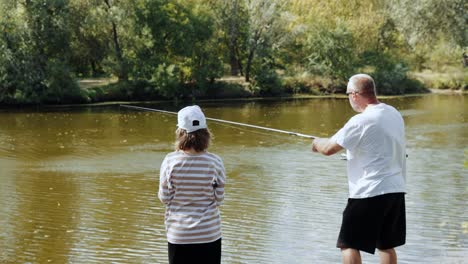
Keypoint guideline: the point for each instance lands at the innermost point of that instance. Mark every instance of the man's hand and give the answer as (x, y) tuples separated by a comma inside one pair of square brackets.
[(314, 148), (325, 146)]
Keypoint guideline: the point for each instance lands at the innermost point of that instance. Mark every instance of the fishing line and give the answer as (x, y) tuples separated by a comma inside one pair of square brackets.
[(261, 133), (225, 121)]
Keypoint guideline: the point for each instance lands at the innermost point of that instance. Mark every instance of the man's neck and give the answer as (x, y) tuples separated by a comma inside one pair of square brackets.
[(371, 103)]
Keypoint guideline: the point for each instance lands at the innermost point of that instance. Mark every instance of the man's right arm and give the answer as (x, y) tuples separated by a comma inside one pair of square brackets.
[(325, 146)]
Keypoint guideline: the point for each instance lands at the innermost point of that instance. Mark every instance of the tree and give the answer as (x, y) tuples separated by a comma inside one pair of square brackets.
[(89, 40), (232, 21), (332, 53), (115, 14), (426, 21), (36, 51), (263, 17), (178, 45)]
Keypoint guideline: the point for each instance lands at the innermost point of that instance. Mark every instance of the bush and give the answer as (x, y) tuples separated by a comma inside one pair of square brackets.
[(268, 82), (226, 90), (61, 86), (298, 85), (165, 78), (390, 74), (448, 84), (413, 86), (389, 78), (125, 91)]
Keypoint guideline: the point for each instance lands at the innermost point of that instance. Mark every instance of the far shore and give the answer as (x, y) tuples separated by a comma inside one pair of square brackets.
[(293, 97), (90, 83), (447, 91)]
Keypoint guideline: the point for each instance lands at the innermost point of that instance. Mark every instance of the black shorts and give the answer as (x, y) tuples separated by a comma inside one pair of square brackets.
[(209, 253), (375, 222)]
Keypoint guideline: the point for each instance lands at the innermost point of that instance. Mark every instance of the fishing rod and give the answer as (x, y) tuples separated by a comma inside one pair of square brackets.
[(223, 121)]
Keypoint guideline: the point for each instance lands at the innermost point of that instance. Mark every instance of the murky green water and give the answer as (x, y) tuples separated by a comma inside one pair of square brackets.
[(79, 185)]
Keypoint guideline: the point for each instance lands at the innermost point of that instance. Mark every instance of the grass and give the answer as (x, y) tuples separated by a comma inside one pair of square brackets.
[(88, 83), (451, 78)]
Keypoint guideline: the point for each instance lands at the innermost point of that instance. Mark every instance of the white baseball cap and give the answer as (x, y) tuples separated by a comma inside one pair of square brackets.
[(191, 118)]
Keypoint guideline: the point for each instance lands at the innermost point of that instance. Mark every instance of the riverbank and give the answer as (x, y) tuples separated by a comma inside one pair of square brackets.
[(104, 91), (110, 91), (448, 91), (250, 99)]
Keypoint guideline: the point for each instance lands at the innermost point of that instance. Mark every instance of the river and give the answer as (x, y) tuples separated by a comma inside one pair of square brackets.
[(79, 185)]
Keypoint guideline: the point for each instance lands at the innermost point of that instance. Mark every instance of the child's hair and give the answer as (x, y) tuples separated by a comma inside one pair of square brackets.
[(198, 140)]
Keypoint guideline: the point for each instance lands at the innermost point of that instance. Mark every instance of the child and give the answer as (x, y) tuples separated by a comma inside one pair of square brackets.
[(191, 185)]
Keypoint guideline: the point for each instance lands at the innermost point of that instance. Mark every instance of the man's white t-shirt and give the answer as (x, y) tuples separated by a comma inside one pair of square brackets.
[(375, 144)]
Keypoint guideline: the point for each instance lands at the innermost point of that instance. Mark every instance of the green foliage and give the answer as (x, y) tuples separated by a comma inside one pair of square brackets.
[(125, 91), (226, 90), (180, 38), (35, 66), (427, 21), (166, 79), (453, 79), (205, 65), (332, 52), (89, 45), (390, 74), (179, 49), (61, 86), (21, 75), (267, 81), (301, 85), (443, 54)]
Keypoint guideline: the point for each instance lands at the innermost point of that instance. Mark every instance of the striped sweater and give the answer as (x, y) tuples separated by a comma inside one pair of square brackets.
[(192, 188)]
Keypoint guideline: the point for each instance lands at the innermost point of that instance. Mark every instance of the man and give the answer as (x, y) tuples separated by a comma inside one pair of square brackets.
[(375, 143)]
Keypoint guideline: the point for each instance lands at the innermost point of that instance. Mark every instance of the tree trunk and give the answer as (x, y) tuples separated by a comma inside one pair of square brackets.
[(233, 58), (250, 58), (249, 64), (93, 68), (234, 62), (241, 70), (122, 72)]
